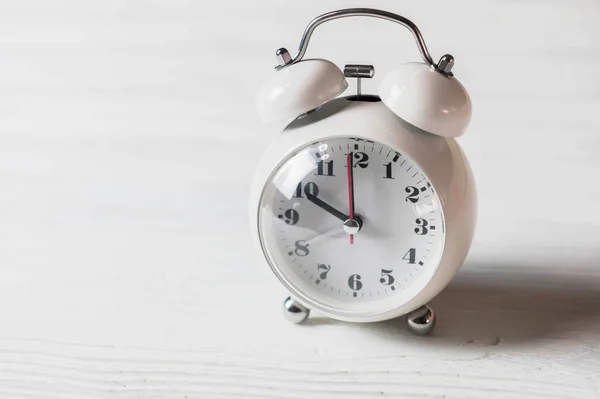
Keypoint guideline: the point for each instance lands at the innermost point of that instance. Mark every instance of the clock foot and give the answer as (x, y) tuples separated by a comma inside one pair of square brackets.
[(294, 311), (421, 321)]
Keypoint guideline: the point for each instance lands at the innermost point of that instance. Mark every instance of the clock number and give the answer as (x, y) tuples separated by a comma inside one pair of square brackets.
[(291, 216), (386, 277), (298, 193), (362, 160), (321, 165), (411, 256), (354, 282), (323, 269), (301, 248), (388, 171), (413, 194), (421, 228), (310, 188)]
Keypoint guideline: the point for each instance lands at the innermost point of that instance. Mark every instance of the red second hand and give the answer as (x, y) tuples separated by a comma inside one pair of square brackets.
[(350, 191)]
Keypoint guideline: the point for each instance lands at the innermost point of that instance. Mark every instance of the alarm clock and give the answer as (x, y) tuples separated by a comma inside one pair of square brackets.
[(364, 207)]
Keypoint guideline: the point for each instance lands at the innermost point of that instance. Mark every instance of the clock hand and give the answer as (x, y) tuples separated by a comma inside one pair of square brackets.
[(316, 239), (323, 205), (350, 191)]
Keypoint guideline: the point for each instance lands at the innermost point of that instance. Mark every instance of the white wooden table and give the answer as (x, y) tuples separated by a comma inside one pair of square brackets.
[(127, 142)]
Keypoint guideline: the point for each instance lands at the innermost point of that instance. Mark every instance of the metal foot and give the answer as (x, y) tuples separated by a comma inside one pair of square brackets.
[(421, 321), (294, 311)]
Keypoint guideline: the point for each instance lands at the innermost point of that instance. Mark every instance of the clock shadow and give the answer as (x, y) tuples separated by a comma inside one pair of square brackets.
[(487, 308)]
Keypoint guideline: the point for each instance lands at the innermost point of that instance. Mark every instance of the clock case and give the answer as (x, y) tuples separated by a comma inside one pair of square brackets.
[(420, 109), (441, 159)]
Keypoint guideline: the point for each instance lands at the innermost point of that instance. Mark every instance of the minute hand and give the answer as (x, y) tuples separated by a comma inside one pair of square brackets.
[(324, 205)]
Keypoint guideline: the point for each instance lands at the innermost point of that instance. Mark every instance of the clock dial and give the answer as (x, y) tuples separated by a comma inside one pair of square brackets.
[(351, 226)]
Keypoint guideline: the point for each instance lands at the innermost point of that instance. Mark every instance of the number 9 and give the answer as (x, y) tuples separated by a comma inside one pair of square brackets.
[(292, 216)]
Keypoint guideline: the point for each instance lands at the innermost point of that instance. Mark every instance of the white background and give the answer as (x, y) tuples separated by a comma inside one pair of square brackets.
[(128, 137)]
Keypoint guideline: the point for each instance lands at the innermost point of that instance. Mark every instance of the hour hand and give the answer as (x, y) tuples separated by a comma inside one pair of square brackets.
[(325, 206)]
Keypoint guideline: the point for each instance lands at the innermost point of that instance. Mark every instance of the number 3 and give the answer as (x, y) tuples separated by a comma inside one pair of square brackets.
[(421, 228)]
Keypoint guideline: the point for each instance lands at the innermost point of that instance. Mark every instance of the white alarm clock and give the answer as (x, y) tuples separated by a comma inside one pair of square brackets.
[(365, 206)]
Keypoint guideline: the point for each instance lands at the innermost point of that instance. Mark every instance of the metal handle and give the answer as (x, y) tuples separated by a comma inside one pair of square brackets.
[(444, 66)]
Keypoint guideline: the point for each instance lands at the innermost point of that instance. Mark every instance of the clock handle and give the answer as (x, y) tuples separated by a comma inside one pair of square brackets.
[(444, 66)]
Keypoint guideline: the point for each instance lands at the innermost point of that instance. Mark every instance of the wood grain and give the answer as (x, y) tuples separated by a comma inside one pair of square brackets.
[(128, 137)]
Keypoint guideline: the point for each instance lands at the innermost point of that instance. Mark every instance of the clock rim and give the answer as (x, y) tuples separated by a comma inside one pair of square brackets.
[(413, 290)]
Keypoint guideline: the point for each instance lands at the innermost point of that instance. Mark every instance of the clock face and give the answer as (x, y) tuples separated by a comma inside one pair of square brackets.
[(358, 240)]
